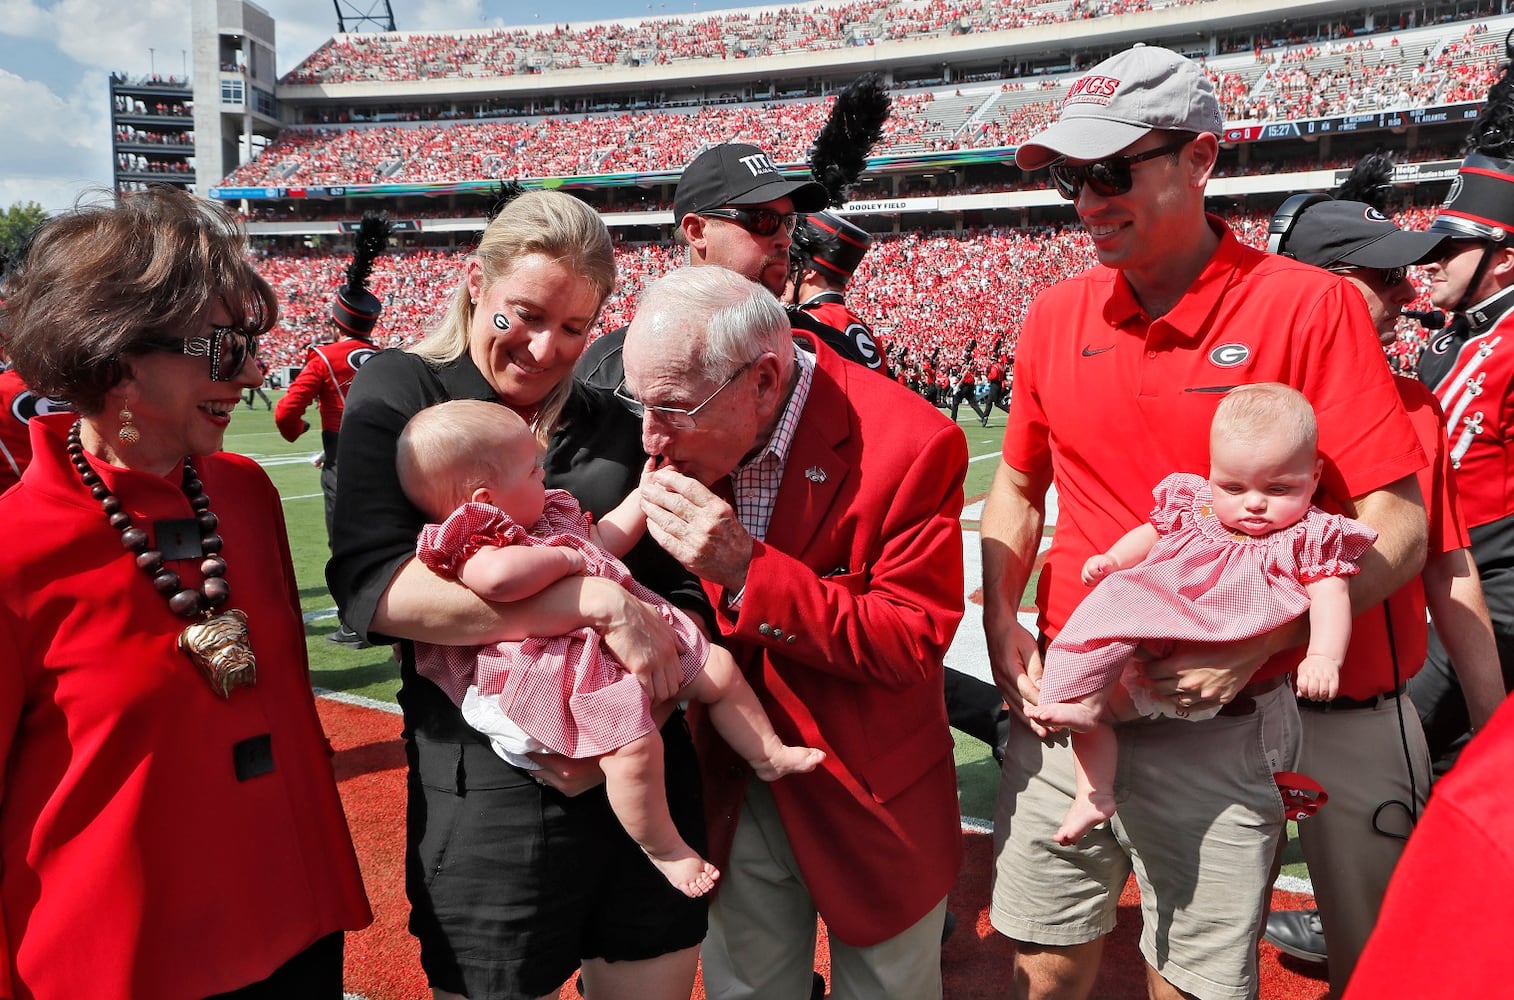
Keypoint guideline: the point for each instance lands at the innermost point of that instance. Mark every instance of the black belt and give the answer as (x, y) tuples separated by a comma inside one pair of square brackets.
[(1344, 704), (1244, 703)]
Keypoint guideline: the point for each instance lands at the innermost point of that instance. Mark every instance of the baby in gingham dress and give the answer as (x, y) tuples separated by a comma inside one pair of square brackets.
[(1222, 560), (476, 465)]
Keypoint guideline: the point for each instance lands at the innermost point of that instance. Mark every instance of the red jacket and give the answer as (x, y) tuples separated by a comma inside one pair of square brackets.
[(848, 609), (133, 862), (324, 380)]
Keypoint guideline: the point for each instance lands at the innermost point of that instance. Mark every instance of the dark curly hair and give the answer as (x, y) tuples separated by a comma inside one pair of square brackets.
[(100, 279)]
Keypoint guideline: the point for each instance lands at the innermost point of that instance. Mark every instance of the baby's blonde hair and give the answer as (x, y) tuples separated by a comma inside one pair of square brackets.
[(449, 450), (1266, 411)]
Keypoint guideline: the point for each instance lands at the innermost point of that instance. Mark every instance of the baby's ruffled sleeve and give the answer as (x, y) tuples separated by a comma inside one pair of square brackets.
[(1174, 496), (1331, 545), (444, 548)]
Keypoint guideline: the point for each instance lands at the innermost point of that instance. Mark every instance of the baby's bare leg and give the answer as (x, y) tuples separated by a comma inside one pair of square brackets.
[(1095, 758), (634, 786), (740, 720)]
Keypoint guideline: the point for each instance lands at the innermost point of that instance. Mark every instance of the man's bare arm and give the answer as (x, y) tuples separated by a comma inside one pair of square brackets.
[(1011, 528)]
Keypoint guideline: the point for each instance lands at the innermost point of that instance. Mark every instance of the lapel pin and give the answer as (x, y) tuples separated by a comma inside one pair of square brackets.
[(815, 474)]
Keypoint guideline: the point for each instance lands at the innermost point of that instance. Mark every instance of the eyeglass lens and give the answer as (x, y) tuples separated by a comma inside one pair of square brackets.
[(1109, 177)]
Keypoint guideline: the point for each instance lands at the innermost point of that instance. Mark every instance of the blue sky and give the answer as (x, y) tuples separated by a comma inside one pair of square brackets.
[(56, 57)]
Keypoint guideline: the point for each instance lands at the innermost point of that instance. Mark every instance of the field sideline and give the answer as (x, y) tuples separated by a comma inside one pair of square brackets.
[(371, 674)]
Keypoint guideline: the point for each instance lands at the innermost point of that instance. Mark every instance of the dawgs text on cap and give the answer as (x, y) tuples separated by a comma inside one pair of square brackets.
[(1120, 100)]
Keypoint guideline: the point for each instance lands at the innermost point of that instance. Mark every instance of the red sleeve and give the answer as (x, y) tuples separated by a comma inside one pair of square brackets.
[(288, 414), (1446, 922), (1027, 441)]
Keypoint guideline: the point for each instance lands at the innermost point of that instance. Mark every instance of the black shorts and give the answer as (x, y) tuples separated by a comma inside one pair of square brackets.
[(511, 884)]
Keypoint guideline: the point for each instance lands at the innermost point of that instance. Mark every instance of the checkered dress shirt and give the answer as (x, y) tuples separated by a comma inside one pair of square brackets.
[(754, 484)]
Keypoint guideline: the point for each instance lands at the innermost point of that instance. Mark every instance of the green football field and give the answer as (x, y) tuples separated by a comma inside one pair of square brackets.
[(373, 673)]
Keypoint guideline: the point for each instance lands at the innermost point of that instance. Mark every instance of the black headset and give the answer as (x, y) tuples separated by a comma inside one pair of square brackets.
[(1287, 217)]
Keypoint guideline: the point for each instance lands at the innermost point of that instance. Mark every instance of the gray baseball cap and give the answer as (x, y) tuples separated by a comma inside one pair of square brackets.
[(1121, 99)]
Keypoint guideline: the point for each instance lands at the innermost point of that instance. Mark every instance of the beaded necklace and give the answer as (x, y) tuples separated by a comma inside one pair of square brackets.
[(217, 643)]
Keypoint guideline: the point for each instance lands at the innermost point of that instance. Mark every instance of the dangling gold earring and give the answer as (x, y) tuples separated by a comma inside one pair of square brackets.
[(128, 433)]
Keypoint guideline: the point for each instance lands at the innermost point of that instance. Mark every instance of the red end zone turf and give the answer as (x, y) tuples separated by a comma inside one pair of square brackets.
[(383, 961)]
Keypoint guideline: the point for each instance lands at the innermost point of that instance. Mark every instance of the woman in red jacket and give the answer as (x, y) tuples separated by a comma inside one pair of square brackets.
[(169, 820)]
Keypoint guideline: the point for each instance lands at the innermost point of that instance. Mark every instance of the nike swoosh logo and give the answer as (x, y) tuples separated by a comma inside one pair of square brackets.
[(1089, 352)]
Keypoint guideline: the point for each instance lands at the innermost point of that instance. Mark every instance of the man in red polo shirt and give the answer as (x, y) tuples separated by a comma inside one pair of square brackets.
[(1117, 375), (1366, 747)]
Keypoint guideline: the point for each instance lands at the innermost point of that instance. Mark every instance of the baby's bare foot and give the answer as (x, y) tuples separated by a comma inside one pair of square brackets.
[(687, 872), (788, 760), (1074, 715), (1082, 816)]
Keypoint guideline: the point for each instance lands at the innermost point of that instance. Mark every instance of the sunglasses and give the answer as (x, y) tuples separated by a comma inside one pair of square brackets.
[(675, 417), (227, 347), (1108, 177), (757, 221), (1389, 276)]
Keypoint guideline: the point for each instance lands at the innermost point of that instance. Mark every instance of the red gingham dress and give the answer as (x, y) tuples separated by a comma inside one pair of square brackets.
[(566, 691), (1199, 582)]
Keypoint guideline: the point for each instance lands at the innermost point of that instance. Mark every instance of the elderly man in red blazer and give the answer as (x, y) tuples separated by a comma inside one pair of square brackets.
[(836, 574)]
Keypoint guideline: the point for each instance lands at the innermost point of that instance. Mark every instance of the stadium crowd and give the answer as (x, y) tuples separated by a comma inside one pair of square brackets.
[(497, 52), (909, 287), (1287, 84)]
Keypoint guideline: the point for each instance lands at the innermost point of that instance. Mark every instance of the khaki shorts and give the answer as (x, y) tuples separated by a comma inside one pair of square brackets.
[(1198, 819)]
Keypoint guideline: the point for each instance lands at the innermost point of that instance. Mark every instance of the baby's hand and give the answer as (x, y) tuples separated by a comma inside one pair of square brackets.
[(1097, 568), (1318, 677)]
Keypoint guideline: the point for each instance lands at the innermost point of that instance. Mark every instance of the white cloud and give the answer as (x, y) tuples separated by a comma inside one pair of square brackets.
[(56, 146)]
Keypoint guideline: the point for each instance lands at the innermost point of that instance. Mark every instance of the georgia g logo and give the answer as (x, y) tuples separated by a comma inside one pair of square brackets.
[(1441, 344), (863, 341), (1229, 355), (28, 404), (360, 357)]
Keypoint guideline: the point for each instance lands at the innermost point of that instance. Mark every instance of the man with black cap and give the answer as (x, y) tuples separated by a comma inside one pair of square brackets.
[(329, 370), (1366, 747), (733, 209), (1470, 368), (1118, 372), (826, 252)]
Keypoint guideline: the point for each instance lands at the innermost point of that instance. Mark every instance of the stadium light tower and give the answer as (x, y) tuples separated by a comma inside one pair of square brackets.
[(375, 15)]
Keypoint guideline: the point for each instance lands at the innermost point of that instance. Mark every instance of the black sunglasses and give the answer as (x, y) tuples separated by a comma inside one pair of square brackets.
[(757, 221), (1389, 276), (1108, 177), (227, 347)]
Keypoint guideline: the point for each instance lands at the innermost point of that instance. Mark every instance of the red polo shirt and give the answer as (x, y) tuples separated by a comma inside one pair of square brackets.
[(1111, 401), (1368, 669)]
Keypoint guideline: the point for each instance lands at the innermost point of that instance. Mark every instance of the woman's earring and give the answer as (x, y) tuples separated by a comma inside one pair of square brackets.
[(128, 433)]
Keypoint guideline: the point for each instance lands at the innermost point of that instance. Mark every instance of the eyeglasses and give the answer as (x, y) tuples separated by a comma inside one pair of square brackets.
[(757, 221), (1108, 177), (227, 347), (675, 417), (1389, 276)]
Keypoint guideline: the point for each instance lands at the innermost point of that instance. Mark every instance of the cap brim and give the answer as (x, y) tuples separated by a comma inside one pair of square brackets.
[(1077, 139), (808, 196), (1398, 249)]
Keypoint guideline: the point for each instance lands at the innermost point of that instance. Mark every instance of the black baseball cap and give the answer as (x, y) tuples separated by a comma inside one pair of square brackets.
[(1334, 233), (737, 173)]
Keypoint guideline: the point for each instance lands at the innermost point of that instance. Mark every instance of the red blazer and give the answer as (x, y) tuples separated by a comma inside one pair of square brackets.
[(848, 610)]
